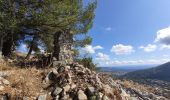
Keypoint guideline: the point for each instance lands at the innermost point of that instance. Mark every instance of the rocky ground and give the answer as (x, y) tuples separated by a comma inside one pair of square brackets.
[(69, 82)]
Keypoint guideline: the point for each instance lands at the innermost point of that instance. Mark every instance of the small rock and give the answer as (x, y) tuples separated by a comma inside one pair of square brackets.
[(80, 66), (93, 98), (66, 88), (88, 71), (67, 67), (61, 69), (2, 88), (73, 86), (107, 89), (105, 97), (4, 74), (81, 73), (81, 95), (90, 91), (42, 97), (57, 97), (51, 76), (54, 70), (57, 91), (54, 59), (58, 63), (100, 95), (6, 96), (3, 98), (6, 82), (26, 98), (76, 68), (66, 97)]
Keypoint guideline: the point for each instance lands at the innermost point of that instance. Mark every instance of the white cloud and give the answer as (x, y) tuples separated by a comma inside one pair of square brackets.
[(163, 36), (90, 49), (108, 29), (148, 48), (165, 55), (164, 47), (122, 49), (102, 57), (97, 47)]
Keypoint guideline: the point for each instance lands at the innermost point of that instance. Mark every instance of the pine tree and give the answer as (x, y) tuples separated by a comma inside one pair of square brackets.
[(9, 26)]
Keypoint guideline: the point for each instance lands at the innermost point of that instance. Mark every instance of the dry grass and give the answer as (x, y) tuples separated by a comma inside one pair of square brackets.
[(117, 94), (130, 84), (25, 82), (5, 66)]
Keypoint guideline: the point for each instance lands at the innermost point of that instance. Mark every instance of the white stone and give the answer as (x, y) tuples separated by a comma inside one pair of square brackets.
[(57, 91), (6, 82), (54, 70), (100, 95), (2, 88), (67, 67), (42, 97), (73, 86), (66, 88), (81, 95), (106, 98)]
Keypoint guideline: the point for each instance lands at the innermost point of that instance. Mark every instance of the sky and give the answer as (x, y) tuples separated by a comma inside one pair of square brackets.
[(130, 32)]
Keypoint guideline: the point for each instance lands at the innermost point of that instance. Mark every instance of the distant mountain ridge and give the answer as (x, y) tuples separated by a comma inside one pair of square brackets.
[(128, 68), (161, 72)]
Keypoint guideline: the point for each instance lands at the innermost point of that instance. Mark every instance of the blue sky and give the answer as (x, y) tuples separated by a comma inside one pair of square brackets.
[(131, 32)]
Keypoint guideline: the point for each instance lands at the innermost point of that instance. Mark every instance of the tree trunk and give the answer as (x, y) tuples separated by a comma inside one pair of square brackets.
[(7, 47), (1, 45), (31, 48), (57, 45)]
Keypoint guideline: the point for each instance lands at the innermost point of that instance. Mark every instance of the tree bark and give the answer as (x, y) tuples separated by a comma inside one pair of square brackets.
[(31, 48), (57, 45), (1, 45), (7, 46)]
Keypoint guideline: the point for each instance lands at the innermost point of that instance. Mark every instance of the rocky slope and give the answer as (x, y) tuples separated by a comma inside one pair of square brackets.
[(70, 82)]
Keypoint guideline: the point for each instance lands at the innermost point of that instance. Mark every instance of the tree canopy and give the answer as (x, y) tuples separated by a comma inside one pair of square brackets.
[(41, 21)]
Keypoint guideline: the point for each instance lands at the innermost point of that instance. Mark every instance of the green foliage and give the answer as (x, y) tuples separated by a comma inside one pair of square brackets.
[(88, 63), (82, 42), (45, 17)]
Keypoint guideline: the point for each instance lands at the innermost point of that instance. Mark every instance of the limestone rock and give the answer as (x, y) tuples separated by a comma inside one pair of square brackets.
[(67, 67), (81, 95), (106, 98), (108, 89), (72, 86), (57, 91), (54, 70), (66, 88), (1, 88), (4, 74), (61, 69), (90, 91), (4, 81), (100, 95), (26, 98), (42, 97)]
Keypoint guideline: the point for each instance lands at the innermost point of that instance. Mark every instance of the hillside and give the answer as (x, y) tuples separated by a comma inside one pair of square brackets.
[(161, 73), (69, 82)]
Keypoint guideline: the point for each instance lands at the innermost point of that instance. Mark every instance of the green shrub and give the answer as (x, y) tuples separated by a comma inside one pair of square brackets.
[(88, 63)]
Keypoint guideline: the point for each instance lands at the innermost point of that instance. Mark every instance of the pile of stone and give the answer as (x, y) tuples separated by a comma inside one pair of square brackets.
[(74, 82), (3, 81)]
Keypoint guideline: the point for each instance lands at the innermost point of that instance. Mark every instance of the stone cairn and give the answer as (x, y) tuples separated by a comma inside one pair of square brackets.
[(74, 82)]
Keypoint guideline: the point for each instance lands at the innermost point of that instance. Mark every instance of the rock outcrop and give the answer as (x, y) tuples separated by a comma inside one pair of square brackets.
[(74, 82)]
